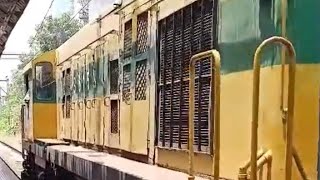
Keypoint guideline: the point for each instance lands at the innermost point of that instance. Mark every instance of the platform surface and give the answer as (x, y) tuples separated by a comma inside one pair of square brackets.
[(6, 173)]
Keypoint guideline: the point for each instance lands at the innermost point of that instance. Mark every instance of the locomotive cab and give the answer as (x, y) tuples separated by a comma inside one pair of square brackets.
[(39, 106)]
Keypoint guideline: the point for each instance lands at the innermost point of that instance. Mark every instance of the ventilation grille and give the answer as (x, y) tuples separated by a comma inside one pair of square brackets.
[(114, 76), (126, 95), (127, 39), (141, 81), (183, 34), (142, 33), (114, 116)]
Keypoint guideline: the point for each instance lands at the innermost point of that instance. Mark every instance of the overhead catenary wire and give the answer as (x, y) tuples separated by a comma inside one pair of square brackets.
[(44, 18), (42, 22), (74, 16)]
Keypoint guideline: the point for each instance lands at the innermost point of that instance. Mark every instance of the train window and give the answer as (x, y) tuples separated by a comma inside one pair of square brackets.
[(94, 71), (44, 82), (62, 79), (74, 83), (99, 67), (102, 60), (142, 33), (68, 81), (79, 75), (126, 95), (114, 116), (127, 39), (87, 77), (141, 80), (114, 76), (63, 105), (68, 106), (90, 84)]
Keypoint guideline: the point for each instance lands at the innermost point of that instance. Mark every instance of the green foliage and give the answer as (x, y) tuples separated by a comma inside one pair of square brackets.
[(10, 112), (53, 33)]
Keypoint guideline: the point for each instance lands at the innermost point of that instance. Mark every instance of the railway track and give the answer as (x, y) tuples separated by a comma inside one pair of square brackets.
[(10, 147), (7, 172)]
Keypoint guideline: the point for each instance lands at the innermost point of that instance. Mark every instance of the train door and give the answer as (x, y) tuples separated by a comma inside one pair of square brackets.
[(126, 90), (111, 91), (27, 107), (114, 133), (59, 103), (135, 90), (92, 101), (81, 104), (65, 110), (87, 101), (67, 98), (140, 69), (100, 94), (106, 98), (97, 97), (74, 108)]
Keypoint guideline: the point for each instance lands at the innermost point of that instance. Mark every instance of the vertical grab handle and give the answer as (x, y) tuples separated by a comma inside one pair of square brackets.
[(255, 105), (214, 109)]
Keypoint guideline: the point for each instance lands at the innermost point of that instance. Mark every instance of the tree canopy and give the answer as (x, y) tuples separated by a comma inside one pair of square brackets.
[(53, 33), (50, 35)]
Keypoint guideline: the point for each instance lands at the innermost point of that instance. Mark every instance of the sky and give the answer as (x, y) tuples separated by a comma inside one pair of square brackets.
[(33, 15), (18, 40)]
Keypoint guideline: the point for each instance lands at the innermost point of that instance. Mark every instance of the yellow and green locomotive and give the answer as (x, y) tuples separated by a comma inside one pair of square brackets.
[(162, 89)]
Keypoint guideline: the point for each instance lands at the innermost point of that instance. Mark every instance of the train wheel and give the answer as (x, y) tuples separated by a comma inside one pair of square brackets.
[(41, 176), (25, 175)]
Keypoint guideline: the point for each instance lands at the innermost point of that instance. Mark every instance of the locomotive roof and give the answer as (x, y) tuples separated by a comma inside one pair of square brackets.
[(28, 66), (107, 23)]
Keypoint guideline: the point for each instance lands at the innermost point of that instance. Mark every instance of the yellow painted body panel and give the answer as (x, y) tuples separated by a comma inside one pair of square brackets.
[(110, 139), (140, 126), (99, 122), (81, 121), (137, 119), (44, 120), (125, 123), (236, 105)]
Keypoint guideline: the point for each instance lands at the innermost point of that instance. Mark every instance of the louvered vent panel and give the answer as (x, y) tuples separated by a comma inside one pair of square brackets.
[(142, 33), (114, 116), (128, 39), (141, 80), (126, 94), (114, 76), (181, 35)]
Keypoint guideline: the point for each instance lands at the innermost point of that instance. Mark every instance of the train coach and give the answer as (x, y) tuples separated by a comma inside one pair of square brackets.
[(162, 89)]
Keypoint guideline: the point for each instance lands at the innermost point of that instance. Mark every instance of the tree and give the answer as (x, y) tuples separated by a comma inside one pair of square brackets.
[(9, 112), (49, 36), (53, 33)]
